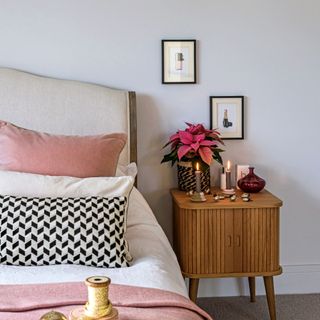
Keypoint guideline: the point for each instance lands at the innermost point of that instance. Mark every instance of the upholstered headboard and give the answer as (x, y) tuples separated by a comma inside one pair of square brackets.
[(68, 107)]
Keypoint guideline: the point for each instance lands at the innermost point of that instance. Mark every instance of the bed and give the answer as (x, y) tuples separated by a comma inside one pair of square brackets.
[(76, 108)]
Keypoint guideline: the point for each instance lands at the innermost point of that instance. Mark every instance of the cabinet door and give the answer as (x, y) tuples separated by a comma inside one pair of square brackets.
[(208, 241), (237, 240), (199, 240), (260, 240), (232, 240), (227, 240)]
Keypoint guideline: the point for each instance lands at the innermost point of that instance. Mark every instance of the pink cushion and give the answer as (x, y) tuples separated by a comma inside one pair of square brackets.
[(77, 156)]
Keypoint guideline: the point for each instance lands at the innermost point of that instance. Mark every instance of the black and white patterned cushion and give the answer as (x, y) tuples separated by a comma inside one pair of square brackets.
[(45, 231)]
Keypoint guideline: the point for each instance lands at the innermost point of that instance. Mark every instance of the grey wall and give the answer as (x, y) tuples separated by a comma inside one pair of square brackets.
[(266, 50)]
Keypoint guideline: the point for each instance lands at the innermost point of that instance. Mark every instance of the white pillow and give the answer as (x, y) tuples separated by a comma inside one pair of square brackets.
[(35, 185), (128, 170)]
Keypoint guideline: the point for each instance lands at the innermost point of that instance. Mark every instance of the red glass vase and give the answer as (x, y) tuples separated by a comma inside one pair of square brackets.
[(251, 183)]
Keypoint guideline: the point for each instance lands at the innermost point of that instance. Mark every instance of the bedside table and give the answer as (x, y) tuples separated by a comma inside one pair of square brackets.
[(228, 239)]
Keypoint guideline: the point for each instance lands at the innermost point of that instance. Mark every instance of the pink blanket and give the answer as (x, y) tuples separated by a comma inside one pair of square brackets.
[(30, 302)]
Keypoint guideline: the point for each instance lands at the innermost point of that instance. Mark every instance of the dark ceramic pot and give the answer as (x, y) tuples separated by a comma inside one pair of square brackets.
[(187, 178), (251, 183)]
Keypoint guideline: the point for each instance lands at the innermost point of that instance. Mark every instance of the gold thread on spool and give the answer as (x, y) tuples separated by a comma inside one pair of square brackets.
[(98, 304)]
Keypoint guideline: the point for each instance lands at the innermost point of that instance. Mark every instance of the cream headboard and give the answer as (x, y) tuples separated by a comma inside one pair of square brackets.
[(68, 107)]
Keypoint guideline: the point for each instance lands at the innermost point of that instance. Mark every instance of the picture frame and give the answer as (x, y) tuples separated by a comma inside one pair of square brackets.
[(227, 116), (241, 171), (179, 61)]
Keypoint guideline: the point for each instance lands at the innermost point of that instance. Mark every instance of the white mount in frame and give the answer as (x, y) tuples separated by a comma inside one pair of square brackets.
[(179, 61), (227, 116)]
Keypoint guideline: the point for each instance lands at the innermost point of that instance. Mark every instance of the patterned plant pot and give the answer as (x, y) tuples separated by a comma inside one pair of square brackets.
[(187, 177)]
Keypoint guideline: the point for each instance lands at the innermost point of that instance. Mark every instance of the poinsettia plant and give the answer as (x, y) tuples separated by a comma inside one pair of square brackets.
[(195, 144)]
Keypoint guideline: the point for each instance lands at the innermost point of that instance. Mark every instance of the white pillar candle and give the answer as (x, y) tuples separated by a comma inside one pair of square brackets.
[(223, 185)]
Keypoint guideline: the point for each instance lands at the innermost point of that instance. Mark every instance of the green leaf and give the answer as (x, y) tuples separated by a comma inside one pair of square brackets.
[(169, 142), (172, 156), (217, 157), (218, 150)]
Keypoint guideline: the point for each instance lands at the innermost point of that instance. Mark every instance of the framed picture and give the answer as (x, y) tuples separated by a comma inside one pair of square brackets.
[(226, 115), (178, 61), (241, 171)]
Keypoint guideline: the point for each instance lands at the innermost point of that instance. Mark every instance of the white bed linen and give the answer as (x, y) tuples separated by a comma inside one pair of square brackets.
[(154, 265)]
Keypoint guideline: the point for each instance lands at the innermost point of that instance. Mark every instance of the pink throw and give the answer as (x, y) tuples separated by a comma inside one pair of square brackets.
[(30, 302)]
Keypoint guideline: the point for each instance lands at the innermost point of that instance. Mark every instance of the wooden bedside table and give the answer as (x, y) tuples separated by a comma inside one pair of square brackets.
[(228, 239)]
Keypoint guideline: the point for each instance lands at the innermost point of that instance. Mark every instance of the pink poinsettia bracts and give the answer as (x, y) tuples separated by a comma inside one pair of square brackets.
[(193, 144)]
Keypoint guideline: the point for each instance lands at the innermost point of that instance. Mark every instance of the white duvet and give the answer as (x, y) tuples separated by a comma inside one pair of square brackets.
[(154, 265)]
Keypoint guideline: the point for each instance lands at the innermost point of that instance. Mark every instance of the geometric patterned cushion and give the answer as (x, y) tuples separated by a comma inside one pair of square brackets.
[(45, 231)]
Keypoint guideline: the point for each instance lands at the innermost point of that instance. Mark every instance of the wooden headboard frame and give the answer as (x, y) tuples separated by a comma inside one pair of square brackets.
[(133, 127), (68, 107)]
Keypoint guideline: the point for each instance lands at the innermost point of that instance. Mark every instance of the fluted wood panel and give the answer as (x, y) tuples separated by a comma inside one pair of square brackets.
[(260, 240), (218, 241), (238, 240)]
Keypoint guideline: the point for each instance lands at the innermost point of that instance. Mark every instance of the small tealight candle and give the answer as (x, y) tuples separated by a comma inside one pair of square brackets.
[(198, 182), (228, 176)]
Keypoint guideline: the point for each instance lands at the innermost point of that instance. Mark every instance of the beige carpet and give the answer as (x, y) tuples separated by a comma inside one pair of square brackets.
[(289, 307)]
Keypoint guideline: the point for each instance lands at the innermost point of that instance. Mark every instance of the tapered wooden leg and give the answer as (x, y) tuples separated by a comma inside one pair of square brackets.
[(268, 283), (193, 289), (252, 287)]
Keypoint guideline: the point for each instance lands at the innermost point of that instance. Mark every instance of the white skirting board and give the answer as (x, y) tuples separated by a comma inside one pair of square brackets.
[(295, 279)]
